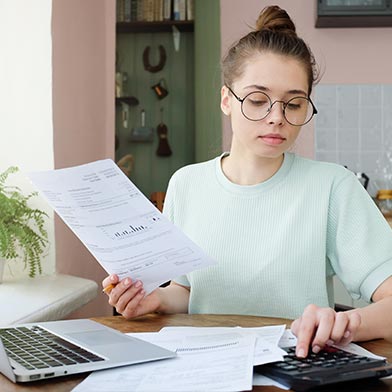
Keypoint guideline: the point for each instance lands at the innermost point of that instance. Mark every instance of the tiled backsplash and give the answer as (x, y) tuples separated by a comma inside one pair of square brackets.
[(353, 127)]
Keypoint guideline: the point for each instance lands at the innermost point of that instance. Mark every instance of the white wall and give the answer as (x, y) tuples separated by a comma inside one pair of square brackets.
[(57, 62), (26, 131)]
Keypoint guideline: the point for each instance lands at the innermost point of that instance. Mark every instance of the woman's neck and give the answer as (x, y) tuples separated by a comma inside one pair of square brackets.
[(250, 170)]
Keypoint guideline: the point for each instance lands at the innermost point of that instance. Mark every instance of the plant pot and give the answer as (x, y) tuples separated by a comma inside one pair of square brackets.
[(2, 268)]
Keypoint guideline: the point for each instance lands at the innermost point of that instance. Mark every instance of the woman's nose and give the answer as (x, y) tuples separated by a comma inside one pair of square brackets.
[(276, 113)]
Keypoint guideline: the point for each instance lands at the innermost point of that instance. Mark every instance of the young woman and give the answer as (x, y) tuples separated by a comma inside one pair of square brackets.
[(280, 226)]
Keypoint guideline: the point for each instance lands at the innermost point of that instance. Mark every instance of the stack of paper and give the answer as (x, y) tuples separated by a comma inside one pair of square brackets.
[(208, 359)]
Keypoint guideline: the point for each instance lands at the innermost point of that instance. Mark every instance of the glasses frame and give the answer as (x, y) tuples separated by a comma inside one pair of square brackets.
[(284, 104)]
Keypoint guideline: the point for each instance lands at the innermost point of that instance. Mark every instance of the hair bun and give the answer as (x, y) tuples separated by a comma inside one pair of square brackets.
[(275, 19)]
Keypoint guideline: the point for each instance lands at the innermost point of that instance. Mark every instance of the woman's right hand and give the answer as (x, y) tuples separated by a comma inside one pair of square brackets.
[(129, 298)]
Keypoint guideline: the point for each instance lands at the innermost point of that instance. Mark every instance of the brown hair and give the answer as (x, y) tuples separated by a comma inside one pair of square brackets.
[(275, 32)]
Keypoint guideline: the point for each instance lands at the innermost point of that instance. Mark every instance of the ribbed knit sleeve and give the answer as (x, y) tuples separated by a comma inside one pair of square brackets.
[(359, 239)]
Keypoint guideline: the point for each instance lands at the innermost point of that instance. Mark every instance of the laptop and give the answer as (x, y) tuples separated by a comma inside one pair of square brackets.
[(43, 350), (329, 366)]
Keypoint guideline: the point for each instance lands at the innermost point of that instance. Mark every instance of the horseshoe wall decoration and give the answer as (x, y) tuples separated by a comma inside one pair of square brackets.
[(146, 60)]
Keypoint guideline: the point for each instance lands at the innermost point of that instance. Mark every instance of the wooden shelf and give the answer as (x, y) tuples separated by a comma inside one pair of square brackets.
[(155, 27), (131, 101)]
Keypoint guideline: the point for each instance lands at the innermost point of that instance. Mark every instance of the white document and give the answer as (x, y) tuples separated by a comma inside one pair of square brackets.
[(203, 363), (123, 230), (358, 350), (260, 380), (267, 338), (288, 339)]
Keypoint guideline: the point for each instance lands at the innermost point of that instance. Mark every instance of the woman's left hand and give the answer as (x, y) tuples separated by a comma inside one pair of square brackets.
[(318, 327)]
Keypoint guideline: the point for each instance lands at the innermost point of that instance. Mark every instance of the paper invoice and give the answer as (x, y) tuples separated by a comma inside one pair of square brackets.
[(122, 229), (219, 363)]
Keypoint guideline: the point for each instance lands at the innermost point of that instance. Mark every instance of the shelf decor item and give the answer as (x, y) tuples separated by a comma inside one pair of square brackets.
[(163, 149), (146, 59), (22, 227), (160, 89), (142, 133)]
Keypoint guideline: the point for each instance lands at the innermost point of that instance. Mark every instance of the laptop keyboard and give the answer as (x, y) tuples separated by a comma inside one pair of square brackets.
[(36, 348)]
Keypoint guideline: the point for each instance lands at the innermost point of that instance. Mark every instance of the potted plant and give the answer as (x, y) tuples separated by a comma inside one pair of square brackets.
[(22, 232)]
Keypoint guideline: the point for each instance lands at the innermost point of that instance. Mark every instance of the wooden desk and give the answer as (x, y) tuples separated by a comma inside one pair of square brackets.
[(154, 322)]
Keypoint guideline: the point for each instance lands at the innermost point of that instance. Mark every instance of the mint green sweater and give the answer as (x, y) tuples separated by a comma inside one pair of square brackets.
[(279, 243)]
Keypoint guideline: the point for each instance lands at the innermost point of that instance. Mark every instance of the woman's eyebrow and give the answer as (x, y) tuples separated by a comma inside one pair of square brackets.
[(263, 88), (257, 87), (302, 92)]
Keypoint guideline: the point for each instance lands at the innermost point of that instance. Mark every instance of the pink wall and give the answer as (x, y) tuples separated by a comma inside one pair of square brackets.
[(83, 113), (83, 93), (346, 55)]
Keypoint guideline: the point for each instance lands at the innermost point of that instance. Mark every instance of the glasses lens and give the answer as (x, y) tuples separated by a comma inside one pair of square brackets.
[(256, 106), (298, 111)]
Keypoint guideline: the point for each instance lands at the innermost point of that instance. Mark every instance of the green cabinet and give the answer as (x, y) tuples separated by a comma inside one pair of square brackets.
[(151, 172), (191, 109)]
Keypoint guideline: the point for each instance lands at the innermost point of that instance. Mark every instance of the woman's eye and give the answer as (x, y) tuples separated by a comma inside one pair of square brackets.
[(258, 102), (298, 103), (293, 106)]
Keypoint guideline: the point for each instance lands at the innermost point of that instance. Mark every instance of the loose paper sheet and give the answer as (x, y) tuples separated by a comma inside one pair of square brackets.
[(267, 338), (118, 224), (203, 363)]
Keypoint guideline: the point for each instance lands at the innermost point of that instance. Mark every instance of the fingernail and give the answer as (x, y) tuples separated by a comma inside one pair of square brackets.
[(301, 353), (138, 283), (330, 342), (127, 281), (346, 334), (142, 292), (112, 278), (316, 349)]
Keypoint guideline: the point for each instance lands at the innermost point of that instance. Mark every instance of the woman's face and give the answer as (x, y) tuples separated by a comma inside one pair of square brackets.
[(281, 78)]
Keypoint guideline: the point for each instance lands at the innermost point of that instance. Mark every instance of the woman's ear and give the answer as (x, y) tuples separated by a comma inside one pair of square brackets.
[(225, 101)]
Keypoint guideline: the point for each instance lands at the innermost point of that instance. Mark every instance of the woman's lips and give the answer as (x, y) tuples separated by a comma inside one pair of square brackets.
[(272, 139)]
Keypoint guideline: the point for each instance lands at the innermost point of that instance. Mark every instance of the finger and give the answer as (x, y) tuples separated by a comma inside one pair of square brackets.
[(133, 307), (306, 330), (295, 326), (124, 293), (352, 327), (111, 279), (324, 329), (119, 290), (340, 327)]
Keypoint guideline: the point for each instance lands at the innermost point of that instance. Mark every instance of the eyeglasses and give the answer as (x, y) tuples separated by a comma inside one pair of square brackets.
[(257, 105)]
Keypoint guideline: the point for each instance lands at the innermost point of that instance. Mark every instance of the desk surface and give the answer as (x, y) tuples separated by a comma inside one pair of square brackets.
[(154, 322)]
